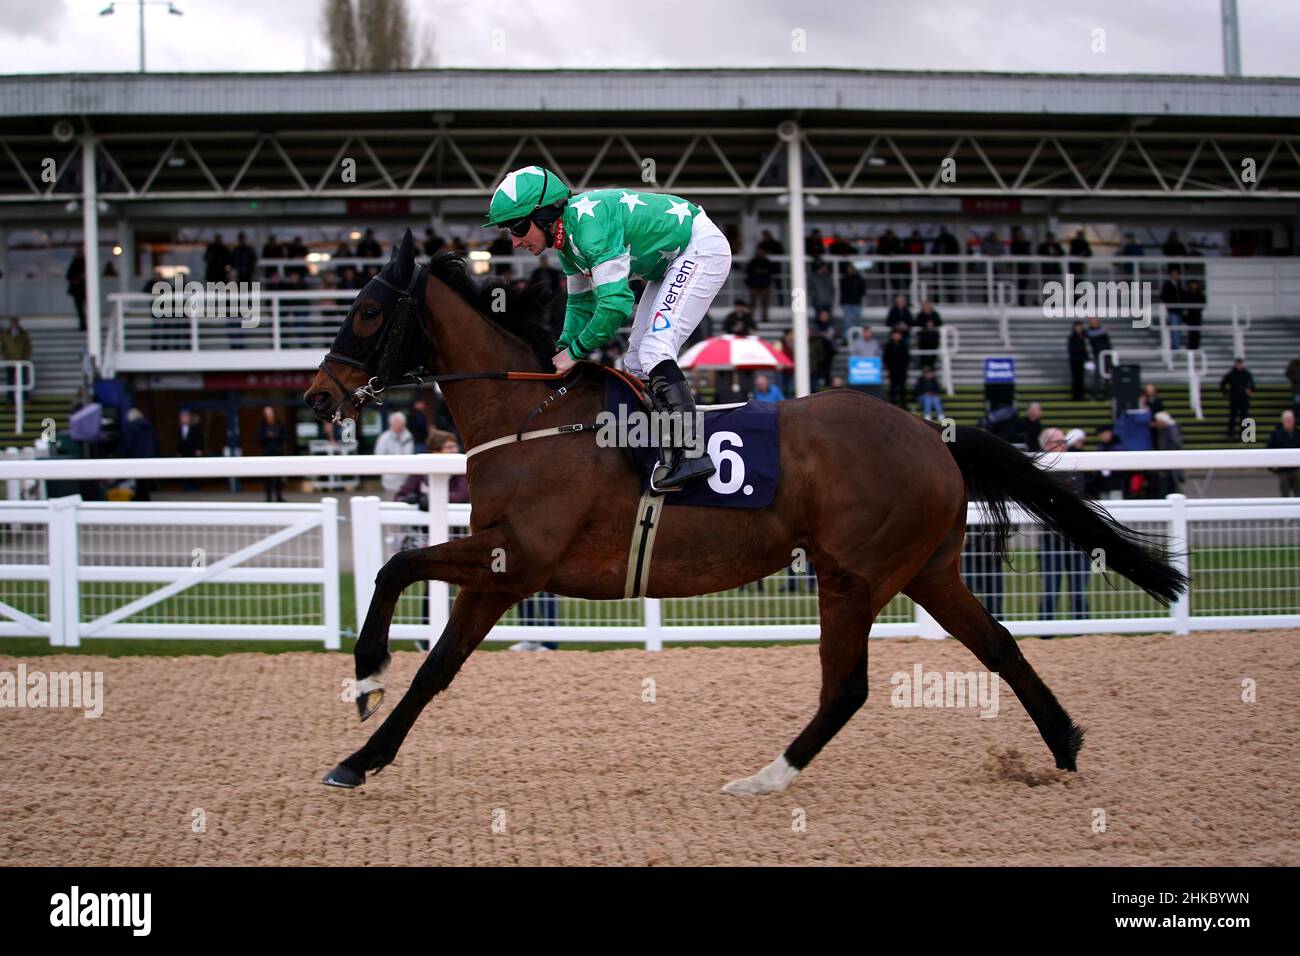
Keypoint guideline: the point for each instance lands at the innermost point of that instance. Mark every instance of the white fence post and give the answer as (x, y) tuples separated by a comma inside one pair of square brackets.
[(367, 552), (439, 532), (926, 626), (329, 537), (654, 638), (1179, 547), (64, 587)]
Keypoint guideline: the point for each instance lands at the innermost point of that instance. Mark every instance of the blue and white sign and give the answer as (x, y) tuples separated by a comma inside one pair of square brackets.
[(864, 370), (999, 370)]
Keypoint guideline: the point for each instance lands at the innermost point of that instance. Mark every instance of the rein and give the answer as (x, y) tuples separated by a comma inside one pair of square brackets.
[(382, 353)]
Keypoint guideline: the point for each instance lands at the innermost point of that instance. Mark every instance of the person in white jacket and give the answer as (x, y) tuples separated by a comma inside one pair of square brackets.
[(396, 441)]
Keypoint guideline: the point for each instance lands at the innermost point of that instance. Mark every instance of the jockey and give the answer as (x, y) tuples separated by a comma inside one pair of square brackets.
[(603, 238)]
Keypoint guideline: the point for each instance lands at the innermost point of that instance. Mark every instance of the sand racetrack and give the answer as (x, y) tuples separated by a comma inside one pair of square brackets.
[(556, 759)]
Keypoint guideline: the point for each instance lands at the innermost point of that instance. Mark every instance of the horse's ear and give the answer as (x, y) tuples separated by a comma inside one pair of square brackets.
[(403, 257)]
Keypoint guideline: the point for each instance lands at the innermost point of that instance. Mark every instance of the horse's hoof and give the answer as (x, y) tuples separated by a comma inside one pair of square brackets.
[(345, 777), (368, 702), (773, 778)]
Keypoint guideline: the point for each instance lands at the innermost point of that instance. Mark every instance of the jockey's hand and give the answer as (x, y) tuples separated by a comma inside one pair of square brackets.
[(563, 361)]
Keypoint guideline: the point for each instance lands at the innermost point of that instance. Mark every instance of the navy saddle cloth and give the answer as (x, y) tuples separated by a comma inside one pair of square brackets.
[(741, 441)]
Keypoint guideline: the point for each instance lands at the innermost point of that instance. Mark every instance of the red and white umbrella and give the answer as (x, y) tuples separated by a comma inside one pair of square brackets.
[(734, 351)]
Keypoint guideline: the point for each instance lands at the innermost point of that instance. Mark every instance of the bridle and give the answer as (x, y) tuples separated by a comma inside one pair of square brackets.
[(383, 354), (383, 357)]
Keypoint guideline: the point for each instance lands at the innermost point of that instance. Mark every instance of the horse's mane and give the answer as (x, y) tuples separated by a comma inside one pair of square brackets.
[(524, 315)]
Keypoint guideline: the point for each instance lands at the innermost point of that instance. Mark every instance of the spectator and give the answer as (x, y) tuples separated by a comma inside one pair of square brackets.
[(298, 250), (1050, 247), (396, 440), (1058, 557), (501, 248), (1109, 484), (189, 444), (76, 276), (814, 246), (900, 316), (1151, 399), (1080, 249), (1171, 294), (1077, 349), (1020, 246), (1167, 436), (15, 346), (821, 287), (1098, 342), (765, 390), (739, 321), (928, 395), (417, 422), (1029, 427), (758, 281), (928, 340), (273, 439), (981, 567), (368, 247), (1239, 385), (888, 247), (243, 259), (138, 441), (1286, 436), (864, 345), (786, 347), (770, 245), (433, 243), (1173, 245), (852, 289), (945, 244), (1293, 376), (928, 311), (1194, 302), (822, 347), (216, 260), (546, 275), (273, 248), (896, 360), (991, 244), (343, 251), (415, 489), (1131, 249)]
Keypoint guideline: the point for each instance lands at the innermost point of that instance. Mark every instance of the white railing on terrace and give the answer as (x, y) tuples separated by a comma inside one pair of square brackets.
[(70, 569), (292, 328), (17, 378)]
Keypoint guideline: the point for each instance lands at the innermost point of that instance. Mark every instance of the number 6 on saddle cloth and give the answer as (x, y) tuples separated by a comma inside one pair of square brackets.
[(741, 439)]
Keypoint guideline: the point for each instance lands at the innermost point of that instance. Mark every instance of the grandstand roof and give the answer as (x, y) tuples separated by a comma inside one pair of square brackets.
[(688, 90)]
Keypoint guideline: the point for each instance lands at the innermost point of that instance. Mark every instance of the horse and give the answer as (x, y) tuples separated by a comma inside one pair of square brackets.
[(873, 495)]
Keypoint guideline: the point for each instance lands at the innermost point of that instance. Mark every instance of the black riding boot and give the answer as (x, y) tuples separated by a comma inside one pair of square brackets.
[(671, 394)]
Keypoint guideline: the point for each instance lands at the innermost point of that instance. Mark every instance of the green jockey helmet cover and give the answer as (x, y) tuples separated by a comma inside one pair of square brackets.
[(523, 192)]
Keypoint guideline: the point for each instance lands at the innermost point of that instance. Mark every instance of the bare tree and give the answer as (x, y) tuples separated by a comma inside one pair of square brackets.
[(374, 35), (341, 35)]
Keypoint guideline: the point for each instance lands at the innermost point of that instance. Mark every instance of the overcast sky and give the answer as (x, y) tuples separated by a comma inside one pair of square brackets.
[(1148, 36)]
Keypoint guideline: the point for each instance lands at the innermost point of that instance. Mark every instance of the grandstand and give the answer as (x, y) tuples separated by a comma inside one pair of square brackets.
[(148, 169)]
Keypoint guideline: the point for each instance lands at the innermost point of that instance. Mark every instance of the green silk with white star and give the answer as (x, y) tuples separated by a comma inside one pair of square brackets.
[(611, 236)]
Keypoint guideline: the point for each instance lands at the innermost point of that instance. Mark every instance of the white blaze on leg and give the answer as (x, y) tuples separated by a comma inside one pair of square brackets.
[(773, 778)]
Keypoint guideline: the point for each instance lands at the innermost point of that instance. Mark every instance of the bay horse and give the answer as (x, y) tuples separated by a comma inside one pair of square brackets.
[(874, 496)]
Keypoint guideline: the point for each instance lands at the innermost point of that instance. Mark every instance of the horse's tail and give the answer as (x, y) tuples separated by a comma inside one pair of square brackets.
[(998, 473)]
